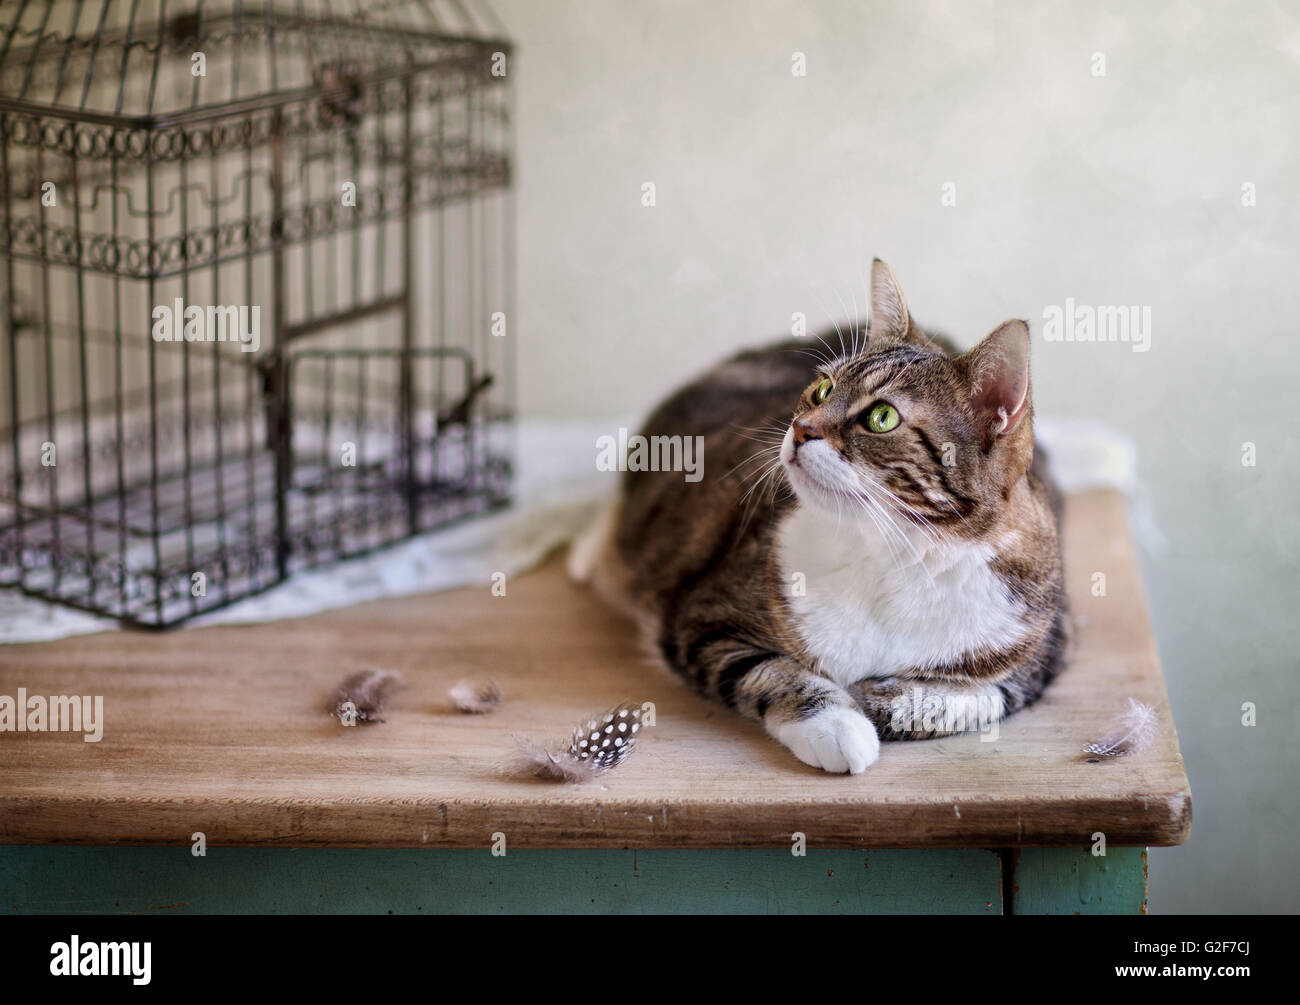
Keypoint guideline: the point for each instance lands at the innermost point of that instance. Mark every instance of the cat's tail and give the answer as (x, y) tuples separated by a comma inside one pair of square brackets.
[(588, 548), (594, 560)]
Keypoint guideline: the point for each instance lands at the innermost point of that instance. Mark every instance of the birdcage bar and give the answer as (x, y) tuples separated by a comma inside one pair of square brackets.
[(12, 574)]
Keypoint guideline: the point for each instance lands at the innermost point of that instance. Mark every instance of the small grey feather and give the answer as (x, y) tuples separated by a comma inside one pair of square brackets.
[(363, 695)]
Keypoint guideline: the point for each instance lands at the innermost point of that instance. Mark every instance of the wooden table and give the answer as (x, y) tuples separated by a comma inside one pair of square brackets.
[(219, 731)]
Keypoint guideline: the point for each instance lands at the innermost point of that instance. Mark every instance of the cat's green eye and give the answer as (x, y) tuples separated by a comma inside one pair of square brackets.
[(882, 418), (822, 391)]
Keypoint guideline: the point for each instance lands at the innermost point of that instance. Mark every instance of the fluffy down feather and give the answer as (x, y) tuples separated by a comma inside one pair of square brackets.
[(1133, 731), (475, 698)]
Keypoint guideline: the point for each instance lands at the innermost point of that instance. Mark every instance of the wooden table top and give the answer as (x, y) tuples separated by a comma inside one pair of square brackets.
[(221, 730)]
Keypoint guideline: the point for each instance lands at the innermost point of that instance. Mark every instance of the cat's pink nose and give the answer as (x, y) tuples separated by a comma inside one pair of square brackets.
[(803, 432)]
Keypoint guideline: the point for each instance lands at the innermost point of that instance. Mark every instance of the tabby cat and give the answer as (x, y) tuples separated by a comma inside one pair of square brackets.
[(887, 567)]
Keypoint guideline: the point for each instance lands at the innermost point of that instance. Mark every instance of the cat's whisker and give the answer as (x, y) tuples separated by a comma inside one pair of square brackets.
[(844, 353), (869, 509), (857, 323), (919, 520), (892, 505), (775, 427), (769, 425), (899, 532), (831, 358), (758, 436), (866, 301), (916, 519), (853, 351), (820, 358), (772, 468), (758, 455), (957, 513), (830, 349), (759, 474), (889, 531), (778, 485), (927, 525), (763, 447), (926, 531)]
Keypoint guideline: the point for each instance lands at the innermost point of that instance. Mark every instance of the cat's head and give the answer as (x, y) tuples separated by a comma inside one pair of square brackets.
[(901, 425)]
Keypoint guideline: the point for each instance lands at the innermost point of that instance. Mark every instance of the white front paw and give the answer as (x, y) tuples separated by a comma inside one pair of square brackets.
[(835, 739)]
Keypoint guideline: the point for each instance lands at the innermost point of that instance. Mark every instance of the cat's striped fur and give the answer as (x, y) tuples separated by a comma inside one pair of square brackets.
[(841, 585)]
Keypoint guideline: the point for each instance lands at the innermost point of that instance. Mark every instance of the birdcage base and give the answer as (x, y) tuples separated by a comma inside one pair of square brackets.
[(198, 537)]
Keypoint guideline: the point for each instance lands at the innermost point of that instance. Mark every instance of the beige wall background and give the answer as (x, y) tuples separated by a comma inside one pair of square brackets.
[(773, 192)]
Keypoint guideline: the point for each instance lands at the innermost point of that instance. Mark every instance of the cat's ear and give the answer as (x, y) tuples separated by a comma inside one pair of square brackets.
[(998, 372), (890, 319), (889, 316)]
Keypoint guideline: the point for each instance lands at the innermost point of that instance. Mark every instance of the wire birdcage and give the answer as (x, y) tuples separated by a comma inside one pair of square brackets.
[(256, 277)]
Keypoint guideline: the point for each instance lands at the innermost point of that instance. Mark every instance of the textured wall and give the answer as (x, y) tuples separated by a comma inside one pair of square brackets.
[(774, 191)]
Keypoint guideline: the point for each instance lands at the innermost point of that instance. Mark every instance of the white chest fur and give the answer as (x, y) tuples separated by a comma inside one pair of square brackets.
[(872, 606)]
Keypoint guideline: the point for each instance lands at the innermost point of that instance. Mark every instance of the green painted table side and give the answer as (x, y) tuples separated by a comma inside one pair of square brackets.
[(111, 880)]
